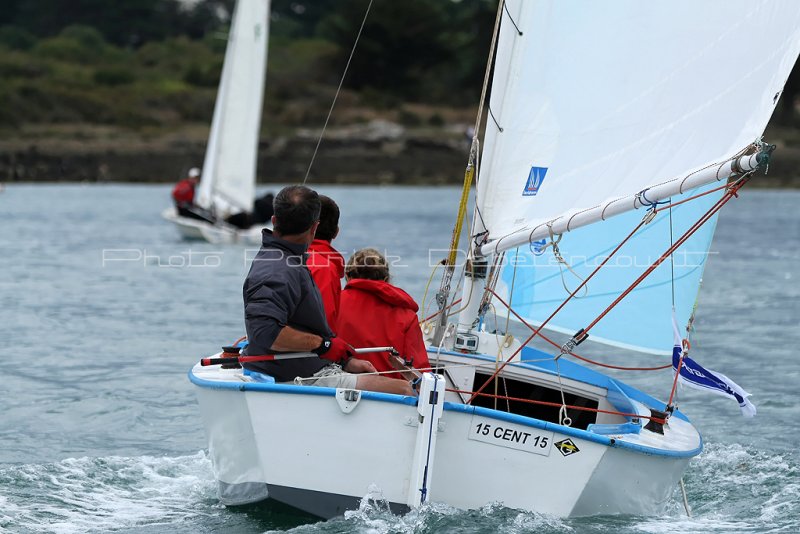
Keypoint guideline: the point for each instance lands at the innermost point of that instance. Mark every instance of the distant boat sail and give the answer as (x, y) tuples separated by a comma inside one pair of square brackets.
[(615, 133), (227, 184)]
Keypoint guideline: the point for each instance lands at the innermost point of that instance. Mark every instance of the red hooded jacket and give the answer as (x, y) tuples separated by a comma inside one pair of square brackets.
[(183, 192), (327, 269), (373, 313)]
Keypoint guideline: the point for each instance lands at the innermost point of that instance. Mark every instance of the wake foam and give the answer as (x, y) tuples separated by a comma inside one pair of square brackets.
[(101, 494)]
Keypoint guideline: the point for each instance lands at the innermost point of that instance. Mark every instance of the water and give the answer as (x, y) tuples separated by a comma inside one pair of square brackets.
[(103, 310)]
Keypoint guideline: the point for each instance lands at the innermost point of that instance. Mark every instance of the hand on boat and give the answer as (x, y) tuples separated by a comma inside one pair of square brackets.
[(359, 366), (334, 349)]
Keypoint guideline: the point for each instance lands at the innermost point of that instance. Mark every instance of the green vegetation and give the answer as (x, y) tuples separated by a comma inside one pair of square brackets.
[(156, 63)]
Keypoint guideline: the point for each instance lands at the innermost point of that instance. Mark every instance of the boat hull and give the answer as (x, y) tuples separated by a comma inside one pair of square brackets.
[(307, 452), (197, 230)]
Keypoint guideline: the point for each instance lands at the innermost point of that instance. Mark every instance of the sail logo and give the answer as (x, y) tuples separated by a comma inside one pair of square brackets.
[(535, 179), (538, 247)]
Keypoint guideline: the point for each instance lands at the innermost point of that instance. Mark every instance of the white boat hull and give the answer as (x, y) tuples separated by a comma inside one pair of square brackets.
[(295, 444), (217, 234)]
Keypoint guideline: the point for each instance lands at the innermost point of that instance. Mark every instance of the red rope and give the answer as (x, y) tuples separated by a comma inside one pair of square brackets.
[(680, 364), (583, 358), (732, 192), (440, 311), (575, 292)]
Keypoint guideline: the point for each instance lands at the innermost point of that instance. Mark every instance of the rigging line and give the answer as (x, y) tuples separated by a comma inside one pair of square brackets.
[(560, 259), (578, 356), (684, 351), (338, 90), (505, 7), (505, 329), (558, 309), (563, 417), (422, 309), (569, 406), (671, 256), (732, 191), (428, 318), (496, 123)]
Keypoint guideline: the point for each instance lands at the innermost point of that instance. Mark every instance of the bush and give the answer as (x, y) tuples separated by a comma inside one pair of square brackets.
[(86, 36), (436, 120), (15, 38), (113, 76), (203, 75), (409, 118), (15, 65)]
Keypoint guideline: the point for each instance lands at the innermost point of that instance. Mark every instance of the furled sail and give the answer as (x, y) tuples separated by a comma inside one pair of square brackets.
[(228, 181), (598, 101), (594, 101)]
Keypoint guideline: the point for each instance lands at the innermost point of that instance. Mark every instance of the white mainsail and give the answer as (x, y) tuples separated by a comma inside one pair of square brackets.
[(229, 170), (597, 101), (585, 112)]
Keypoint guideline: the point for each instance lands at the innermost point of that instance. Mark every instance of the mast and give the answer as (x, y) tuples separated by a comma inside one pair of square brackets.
[(450, 262)]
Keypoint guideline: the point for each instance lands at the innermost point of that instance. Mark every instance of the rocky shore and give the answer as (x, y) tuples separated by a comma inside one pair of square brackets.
[(377, 152)]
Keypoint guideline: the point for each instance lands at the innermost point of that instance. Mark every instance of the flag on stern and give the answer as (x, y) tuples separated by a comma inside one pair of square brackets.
[(696, 376)]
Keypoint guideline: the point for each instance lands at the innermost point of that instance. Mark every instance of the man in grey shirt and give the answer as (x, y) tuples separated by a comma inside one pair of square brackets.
[(284, 312)]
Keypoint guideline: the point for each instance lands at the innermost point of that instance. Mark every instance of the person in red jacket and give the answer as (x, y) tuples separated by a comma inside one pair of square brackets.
[(325, 262), (183, 192), (183, 196), (374, 313)]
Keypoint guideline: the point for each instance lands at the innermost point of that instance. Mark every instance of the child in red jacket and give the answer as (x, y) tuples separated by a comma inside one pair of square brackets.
[(374, 313)]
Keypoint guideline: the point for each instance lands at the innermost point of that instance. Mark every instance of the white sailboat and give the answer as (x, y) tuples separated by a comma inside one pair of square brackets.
[(622, 110), (227, 183)]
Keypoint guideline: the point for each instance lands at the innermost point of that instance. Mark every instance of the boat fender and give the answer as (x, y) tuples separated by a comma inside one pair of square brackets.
[(347, 399)]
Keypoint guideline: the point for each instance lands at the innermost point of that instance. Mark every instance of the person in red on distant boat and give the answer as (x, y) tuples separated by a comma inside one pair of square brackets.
[(325, 262), (183, 195), (183, 192), (374, 313)]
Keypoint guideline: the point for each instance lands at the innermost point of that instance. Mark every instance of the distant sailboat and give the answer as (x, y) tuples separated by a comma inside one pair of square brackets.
[(227, 183), (622, 126)]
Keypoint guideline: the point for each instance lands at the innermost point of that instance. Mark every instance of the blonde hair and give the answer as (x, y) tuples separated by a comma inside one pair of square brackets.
[(368, 264)]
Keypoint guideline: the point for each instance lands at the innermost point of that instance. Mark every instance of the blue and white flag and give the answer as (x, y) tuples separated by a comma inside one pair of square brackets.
[(696, 376)]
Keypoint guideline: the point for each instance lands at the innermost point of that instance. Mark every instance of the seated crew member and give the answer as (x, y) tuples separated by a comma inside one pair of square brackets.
[(183, 196), (261, 214), (283, 307), (374, 313), (262, 208), (325, 262)]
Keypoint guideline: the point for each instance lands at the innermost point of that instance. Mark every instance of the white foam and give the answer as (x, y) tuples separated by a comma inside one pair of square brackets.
[(95, 494)]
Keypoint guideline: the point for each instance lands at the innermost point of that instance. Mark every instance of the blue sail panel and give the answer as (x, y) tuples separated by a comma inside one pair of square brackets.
[(643, 320)]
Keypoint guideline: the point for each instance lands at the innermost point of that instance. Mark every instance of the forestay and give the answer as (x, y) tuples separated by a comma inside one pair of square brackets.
[(601, 100), (229, 169)]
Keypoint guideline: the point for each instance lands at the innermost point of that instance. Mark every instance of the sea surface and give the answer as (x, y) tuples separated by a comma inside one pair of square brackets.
[(103, 310)]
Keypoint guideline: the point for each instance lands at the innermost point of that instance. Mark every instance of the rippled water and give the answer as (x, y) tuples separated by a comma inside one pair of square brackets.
[(103, 310)]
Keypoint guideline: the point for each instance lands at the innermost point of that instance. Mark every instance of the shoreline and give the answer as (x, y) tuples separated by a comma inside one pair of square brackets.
[(374, 153)]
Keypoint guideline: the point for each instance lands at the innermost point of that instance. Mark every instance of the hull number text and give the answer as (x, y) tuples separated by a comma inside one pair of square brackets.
[(509, 435)]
